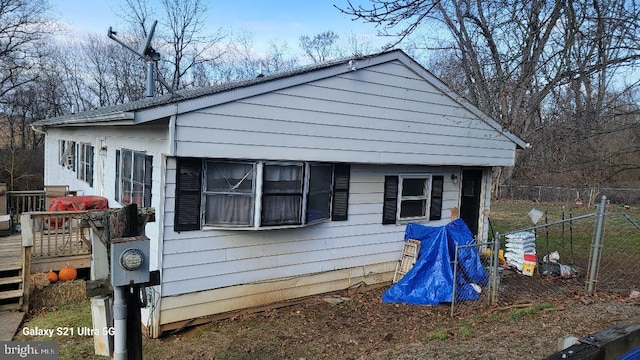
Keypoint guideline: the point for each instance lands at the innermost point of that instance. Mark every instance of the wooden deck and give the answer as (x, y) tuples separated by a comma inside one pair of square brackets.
[(15, 273), (11, 257), (10, 252)]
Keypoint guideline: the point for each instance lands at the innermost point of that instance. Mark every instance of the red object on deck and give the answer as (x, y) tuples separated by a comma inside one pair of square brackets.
[(76, 203)]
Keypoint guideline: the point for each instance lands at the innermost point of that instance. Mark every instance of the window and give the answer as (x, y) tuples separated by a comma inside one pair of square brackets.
[(259, 194), (67, 154), (282, 194), (412, 197), (229, 193), (133, 177), (319, 198), (85, 163)]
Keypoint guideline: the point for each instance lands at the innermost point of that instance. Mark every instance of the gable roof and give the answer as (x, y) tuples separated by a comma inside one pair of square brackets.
[(183, 101)]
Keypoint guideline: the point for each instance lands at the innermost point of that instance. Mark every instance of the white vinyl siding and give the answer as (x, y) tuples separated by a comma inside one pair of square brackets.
[(209, 259), (149, 138), (382, 114)]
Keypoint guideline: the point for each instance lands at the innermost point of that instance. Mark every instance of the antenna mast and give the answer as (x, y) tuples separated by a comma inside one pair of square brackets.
[(149, 55)]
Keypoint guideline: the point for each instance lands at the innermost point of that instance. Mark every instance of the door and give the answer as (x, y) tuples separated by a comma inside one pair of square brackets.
[(470, 198)]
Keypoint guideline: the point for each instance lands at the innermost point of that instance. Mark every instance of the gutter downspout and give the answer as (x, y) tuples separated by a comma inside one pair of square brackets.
[(172, 132), (33, 127)]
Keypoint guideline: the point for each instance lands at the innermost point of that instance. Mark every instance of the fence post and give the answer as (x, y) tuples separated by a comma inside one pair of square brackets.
[(493, 278), (455, 281), (596, 247)]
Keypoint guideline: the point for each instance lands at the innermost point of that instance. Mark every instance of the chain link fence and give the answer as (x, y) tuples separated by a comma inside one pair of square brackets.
[(575, 255), (618, 269), (581, 196), (472, 292)]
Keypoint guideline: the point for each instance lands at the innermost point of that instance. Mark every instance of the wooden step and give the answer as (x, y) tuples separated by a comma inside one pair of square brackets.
[(11, 294), (11, 280), (11, 265), (8, 307)]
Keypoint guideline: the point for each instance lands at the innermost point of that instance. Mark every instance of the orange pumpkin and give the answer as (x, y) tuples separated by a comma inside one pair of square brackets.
[(67, 273), (52, 276)]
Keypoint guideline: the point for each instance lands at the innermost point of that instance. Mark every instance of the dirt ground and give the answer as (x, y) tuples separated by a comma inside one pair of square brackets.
[(361, 326)]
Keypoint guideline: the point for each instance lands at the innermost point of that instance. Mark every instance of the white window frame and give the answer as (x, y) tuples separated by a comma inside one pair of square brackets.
[(258, 181), (132, 180), (206, 193), (67, 153), (85, 165), (426, 196)]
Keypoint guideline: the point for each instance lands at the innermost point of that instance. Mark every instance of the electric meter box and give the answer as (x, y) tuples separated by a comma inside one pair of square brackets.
[(130, 261)]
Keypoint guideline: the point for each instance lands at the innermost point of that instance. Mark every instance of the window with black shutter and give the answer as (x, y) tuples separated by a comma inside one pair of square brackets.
[(213, 193), (188, 194), (437, 185), (390, 207), (340, 205), (412, 197)]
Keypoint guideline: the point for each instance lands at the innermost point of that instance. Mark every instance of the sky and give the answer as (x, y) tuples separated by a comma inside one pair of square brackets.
[(268, 20)]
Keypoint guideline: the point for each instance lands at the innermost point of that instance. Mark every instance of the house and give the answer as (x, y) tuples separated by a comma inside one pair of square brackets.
[(285, 185)]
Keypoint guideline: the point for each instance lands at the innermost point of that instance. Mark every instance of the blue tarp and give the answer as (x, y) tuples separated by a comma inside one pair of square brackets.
[(430, 280)]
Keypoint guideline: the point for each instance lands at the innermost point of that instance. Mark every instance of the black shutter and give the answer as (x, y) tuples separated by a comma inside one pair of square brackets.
[(79, 174), (188, 197), (90, 170), (148, 176), (118, 175), (75, 157), (390, 207), (437, 184), (340, 206)]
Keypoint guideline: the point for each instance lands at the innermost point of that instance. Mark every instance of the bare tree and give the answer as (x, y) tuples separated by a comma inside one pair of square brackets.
[(23, 29), (513, 57), (186, 48), (319, 47), (394, 18), (244, 61), (117, 75), (185, 19), (357, 45)]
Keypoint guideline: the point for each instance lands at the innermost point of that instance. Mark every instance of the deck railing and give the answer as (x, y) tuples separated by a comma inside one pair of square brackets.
[(25, 201), (57, 233)]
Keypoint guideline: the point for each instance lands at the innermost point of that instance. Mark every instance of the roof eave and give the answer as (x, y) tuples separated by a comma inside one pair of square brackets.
[(115, 118)]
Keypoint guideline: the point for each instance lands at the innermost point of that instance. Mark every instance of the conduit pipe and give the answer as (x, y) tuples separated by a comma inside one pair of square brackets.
[(119, 323)]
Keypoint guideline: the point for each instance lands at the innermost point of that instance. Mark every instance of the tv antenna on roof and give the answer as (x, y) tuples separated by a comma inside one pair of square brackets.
[(149, 55)]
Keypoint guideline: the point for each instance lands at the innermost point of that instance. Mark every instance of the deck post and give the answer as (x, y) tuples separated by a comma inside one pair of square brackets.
[(27, 245)]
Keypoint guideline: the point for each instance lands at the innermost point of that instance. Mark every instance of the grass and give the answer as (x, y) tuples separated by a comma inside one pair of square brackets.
[(439, 334), (517, 314), (64, 320), (465, 331), (571, 238), (505, 216)]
